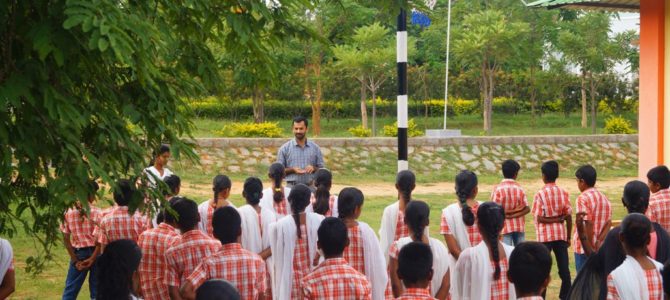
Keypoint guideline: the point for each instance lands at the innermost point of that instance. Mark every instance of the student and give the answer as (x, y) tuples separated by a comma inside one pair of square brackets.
[(158, 169), (334, 278), (458, 220), (552, 214), (658, 179), (593, 216), (217, 289), (639, 276), (293, 245), (417, 216), (221, 186), (7, 279), (512, 198), (529, 268), (481, 271), (173, 183), (120, 262), (274, 198), (323, 202), (415, 269), (243, 269), (393, 225), (78, 230), (190, 250), (363, 252), (154, 243)]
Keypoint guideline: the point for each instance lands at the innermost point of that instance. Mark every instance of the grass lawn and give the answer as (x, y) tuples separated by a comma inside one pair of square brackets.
[(503, 124)]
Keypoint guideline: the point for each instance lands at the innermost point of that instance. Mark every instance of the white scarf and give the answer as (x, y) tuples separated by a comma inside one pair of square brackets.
[(252, 239), (283, 239), (267, 202), (473, 274), (387, 229), (375, 266), (440, 261), (630, 281), (6, 257), (202, 211)]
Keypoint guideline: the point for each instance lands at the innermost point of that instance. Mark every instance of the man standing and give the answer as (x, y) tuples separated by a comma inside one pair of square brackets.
[(300, 157)]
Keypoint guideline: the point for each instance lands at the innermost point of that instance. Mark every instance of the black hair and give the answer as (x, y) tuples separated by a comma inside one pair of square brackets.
[(301, 119), (550, 170), (323, 180), (415, 262), (173, 182), (588, 174), (115, 269), (276, 173), (163, 148), (348, 200), (167, 215), (635, 229), (510, 168), (660, 175), (93, 187), (636, 197), (299, 200), (220, 183), (187, 213), (160, 217), (417, 214), (227, 223), (529, 267), (333, 236), (217, 289), (124, 192), (253, 190), (665, 276), (406, 182), (466, 182), (491, 219)]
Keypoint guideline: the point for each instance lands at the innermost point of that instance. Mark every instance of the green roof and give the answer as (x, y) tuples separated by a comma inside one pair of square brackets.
[(616, 5)]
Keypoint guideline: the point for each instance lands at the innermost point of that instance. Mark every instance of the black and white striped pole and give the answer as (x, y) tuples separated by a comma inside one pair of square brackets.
[(401, 53)]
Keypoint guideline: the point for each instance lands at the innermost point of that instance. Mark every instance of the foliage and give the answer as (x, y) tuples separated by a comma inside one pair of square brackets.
[(412, 129), (265, 129), (618, 125), (359, 131), (463, 107)]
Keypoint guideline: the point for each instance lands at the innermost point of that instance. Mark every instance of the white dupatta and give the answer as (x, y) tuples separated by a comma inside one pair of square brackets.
[(440, 261), (630, 280), (473, 274), (6, 257), (375, 266), (267, 202), (202, 211), (387, 228), (283, 239), (255, 237)]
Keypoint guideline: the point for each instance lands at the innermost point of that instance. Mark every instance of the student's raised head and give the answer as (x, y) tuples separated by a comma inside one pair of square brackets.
[(510, 169), (117, 270), (549, 171), (466, 188), (529, 267), (173, 183), (658, 178), (405, 182), (299, 200), (635, 233), (277, 174), (252, 190), (490, 221), (221, 185), (586, 177), (417, 216), (187, 213), (636, 197), (227, 224), (333, 237), (350, 203), (124, 192), (415, 265), (217, 289), (323, 180)]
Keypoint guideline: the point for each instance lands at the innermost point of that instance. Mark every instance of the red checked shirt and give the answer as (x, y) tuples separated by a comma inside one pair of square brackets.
[(659, 208), (473, 232), (81, 227), (597, 209), (551, 201), (416, 294), (301, 262), (510, 195), (500, 287), (335, 279), (354, 254), (154, 243), (401, 229), (393, 253), (119, 224), (654, 286), (186, 254), (281, 208), (243, 269)]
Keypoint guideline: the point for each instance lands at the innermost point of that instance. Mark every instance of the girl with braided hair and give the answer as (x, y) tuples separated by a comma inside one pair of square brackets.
[(417, 215), (393, 225), (323, 202), (221, 186), (481, 270), (458, 220)]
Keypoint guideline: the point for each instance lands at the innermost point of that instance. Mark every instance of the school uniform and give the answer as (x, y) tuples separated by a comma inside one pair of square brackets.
[(365, 255), (630, 282), (206, 212), (335, 279), (510, 195), (186, 254), (119, 224), (440, 260), (392, 228), (659, 208), (474, 275), (154, 243), (416, 294), (596, 208), (81, 229)]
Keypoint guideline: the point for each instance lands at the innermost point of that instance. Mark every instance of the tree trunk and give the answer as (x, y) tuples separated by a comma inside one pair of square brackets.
[(364, 108), (316, 104), (594, 105), (533, 94), (374, 110), (486, 89), (257, 100), (583, 78)]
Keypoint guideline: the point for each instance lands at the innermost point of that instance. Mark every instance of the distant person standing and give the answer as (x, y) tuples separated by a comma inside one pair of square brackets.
[(158, 168), (300, 157)]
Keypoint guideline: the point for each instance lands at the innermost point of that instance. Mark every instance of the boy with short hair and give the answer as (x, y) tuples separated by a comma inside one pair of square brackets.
[(334, 278), (189, 251), (593, 217), (512, 198), (658, 180), (415, 269), (529, 267), (242, 268)]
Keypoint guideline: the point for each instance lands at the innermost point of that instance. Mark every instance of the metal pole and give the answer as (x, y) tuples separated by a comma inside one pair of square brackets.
[(446, 77), (401, 53)]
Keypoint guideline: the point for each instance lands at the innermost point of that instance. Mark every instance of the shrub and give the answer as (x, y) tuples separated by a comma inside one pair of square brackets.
[(266, 129), (463, 107), (604, 107), (359, 131), (618, 125), (554, 106), (412, 130)]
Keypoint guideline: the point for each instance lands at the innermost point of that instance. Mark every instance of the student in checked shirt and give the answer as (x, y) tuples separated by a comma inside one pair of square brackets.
[(221, 186), (243, 269), (415, 269), (334, 278), (393, 219), (512, 198), (529, 267), (658, 180)]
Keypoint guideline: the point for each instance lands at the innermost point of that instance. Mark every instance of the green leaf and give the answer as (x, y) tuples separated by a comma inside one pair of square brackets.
[(103, 44)]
